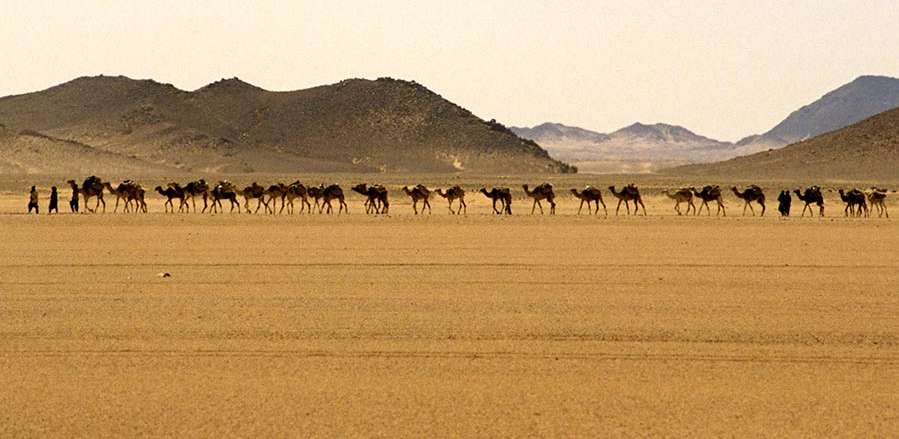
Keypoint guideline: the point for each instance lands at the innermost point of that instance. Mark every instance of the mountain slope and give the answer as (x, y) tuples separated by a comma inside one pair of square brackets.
[(867, 150), (232, 126), (848, 104)]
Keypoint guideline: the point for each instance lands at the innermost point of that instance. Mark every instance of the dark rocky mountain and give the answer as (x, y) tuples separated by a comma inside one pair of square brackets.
[(853, 102), (101, 124), (867, 150)]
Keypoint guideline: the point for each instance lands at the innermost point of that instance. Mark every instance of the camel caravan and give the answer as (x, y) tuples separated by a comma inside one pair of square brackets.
[(296, 197)]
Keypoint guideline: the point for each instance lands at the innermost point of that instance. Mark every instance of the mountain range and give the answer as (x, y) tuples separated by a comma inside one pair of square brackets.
[(867, 151), (641, 147), (109, 124)]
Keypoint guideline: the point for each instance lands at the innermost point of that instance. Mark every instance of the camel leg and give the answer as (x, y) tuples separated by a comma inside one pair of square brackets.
[(415, 206), (428, 204), (552, 207), (763, 208), (677, 208), (582, 206), (750, 209), (641, 205), (617, 209), (605, 211)]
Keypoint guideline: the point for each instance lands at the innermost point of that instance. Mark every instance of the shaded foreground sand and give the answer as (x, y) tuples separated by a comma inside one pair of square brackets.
[(435, 326)]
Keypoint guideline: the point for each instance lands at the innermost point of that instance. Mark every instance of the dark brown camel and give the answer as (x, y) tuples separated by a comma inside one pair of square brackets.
[(683, 195), (628, 193), (589, 195), (452, 194), (856, 204), (195, 189), (333, 192), (93, 187), (225, 190), (542, 192), (419, 193), (173, 191), (710, 193), (501, 194), (297, 190), (811, 195), (257, 192), (316, 193), (275, 192), (752, 194), (130, 192), (375, 198)]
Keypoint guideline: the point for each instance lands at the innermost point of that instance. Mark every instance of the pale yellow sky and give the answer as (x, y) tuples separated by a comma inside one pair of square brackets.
[(724, 69)]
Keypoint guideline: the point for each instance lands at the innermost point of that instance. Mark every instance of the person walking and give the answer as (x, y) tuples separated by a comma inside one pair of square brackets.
[(54, 201), (32, 201)]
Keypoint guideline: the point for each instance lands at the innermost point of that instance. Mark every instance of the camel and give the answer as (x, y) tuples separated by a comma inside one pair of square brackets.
[(274, 193), (129, 191), (628, 193), (452, 194), (856, 204), (749, 195), (254, 191), (317, 193), (93, 187), (811, 195), (877, 199), (296, 190), (419, 193), (333, 192), (542, 192), (225, 190), (73, 203), (503, 195), (683, 195), (376, 198), (589, 195), (174, 190), (194, 189), (710, 193), (138, 195)]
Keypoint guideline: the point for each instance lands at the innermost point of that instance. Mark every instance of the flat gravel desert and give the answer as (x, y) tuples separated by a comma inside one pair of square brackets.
[(436, 325)]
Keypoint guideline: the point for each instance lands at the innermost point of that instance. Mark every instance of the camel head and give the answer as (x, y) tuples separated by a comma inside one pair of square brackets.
[(361, 188), (575, 192)]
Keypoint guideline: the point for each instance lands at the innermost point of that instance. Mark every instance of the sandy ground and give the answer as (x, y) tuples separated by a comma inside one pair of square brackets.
[(447, 326)]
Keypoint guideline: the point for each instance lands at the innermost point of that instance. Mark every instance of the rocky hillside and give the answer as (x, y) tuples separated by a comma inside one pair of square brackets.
[(101, 124), (867, 150), (853, 102)]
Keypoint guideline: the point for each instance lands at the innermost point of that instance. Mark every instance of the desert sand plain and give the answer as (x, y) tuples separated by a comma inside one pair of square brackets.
[(440, 325)]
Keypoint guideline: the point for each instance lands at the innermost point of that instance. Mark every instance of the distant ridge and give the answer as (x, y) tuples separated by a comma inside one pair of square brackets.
[(636, 148), (867, 150), (357, 125), (640, 147), (862, 98)]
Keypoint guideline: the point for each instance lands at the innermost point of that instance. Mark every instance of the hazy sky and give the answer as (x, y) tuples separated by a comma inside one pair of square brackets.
[(724, 69)]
